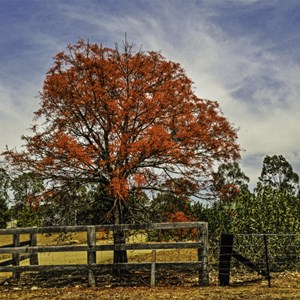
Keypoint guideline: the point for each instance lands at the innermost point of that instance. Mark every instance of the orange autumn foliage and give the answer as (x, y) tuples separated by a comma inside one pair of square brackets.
[(181, 234), (128, 120), (178, 216)]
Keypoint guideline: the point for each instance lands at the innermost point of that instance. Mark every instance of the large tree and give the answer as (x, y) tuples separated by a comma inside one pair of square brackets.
[(126, 120)]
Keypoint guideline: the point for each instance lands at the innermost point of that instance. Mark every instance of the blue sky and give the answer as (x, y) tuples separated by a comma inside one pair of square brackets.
[(242, 53)]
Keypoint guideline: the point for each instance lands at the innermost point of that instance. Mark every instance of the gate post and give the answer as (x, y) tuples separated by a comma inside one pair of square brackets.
[(34, 259), (203, 255), (153, 261), (91, 254), (225, 258), (16, 256)]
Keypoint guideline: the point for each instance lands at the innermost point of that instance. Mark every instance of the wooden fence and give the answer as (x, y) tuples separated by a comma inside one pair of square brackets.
[(30, 250)]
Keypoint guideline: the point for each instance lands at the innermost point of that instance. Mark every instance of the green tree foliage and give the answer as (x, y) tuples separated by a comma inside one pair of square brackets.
[(266, 211), (26, 191), (170, 207), (166, 206), (76, 204), (273, 207), (279, 174), (229, 184), (4, 187), (271, 211), (173, 204), (219, 215), (229, 181)]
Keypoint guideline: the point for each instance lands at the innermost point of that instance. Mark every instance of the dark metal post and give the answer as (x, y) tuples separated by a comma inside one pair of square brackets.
[(225, 259), (267, 260)]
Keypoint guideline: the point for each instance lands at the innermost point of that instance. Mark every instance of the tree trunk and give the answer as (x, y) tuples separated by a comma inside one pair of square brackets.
[(120, 256)]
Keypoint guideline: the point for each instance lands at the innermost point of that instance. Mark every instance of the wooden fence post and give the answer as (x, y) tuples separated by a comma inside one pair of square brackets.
[(16, 256), (225, 259), (91, 254), (34, 259), (203, 255), (153, 261)]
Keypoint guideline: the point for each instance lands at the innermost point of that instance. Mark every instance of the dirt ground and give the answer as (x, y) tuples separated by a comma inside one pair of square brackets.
[(283, 286), (153, 293)]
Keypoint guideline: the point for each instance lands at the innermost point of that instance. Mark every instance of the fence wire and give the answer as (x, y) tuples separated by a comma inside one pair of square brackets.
[(282, 250), (257, 254)]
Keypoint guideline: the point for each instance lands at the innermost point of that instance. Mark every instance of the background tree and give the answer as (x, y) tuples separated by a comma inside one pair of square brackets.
[(173, 203), (27, 189), (273, 211), (278, 174), (229, 181), (229, 184), (127, 121), (272, 208), (169, 207), (73, 205), (266, 211), (274, 205), (4, 188)]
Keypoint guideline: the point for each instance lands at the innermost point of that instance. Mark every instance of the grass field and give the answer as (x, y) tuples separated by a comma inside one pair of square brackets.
[(170, 286)]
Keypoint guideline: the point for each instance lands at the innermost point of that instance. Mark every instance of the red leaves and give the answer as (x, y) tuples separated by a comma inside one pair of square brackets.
[(119, 188), (178, 216)]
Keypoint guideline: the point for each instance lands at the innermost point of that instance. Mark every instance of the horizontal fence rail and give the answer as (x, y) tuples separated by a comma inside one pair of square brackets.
[(30, 249), (84, 228)]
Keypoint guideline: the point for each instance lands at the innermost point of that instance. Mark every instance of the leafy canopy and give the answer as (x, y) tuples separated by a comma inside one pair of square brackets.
[(229, 181), (127, 120), (278, 174)]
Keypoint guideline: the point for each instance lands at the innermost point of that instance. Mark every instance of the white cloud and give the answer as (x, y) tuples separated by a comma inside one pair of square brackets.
[(16, 115)]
